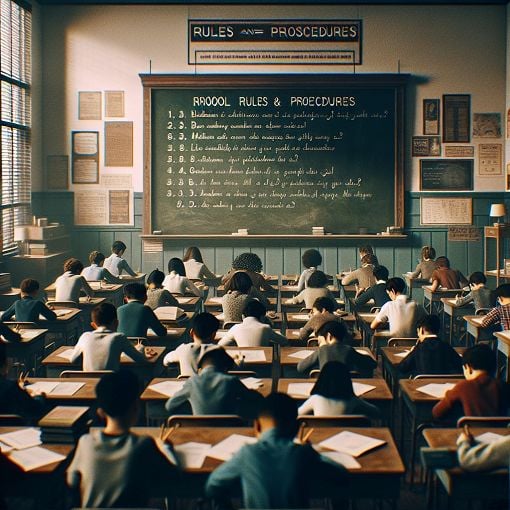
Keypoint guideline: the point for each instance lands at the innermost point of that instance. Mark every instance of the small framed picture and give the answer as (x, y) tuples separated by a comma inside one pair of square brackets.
[(426, 146), (431, 116)]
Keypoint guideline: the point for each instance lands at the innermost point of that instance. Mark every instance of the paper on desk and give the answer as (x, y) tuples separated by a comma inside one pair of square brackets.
[(489, 437), (169, 313), (60, 312), (299, 316), (192, 455), (295, 332), (125, 357), (221, 333), (346, 460), (252, 383), (183, 300), (351, 443), (437, 390), (66, 389), (4, 448), (225, 449), (20, 439), (365, 352), (300, 354), (35, 457), (216, 300), (361, 389), (167, 388), (248, 355), (402, 354), (66, 354), (27, 334), (300, 389), (39, 387)]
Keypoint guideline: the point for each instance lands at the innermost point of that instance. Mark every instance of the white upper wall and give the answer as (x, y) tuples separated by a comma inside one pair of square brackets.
[(448, 49)]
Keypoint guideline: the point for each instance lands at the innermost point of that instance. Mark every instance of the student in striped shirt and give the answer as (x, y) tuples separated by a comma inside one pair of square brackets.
[(500, 314)]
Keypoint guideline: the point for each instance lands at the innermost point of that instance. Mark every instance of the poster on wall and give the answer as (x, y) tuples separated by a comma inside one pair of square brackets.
[(119, 207), (426, 146), (114, 103), (487, 125), (446, 174), (89, 105), (490, 159), (446, 211), (118, 143), (85, 157), (456, 117), (459, 151), (431, 116), (96, 206), (57, 173)]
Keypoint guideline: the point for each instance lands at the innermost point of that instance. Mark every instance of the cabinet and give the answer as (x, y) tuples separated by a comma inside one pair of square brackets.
[(497, 234)]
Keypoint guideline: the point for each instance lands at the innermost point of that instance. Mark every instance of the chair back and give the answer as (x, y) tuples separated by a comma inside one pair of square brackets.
[(347, 420), (438, 376), (402, 342), (484, 421), (11, 420), (92, 374), (206, 420)]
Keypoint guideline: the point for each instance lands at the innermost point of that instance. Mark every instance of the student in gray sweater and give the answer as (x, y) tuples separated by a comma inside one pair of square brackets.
[(478, 456), (113, 467), (480, 296)]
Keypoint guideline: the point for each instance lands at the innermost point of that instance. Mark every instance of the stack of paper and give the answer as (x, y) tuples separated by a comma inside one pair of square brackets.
[(437, 390), (167, 388), (361, 389), (300, 389), (351, 443), (300, 354), (318, 231), (66, 354), (225, 449), (252, 383)]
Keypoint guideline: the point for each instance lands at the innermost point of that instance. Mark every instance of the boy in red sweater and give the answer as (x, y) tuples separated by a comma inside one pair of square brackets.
[(480, 394)]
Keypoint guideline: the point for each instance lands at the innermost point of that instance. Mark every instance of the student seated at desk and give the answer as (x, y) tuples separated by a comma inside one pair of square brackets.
[(204, 327), (28, 308), (274, 472), (14, 399), (480, 394), (311, 260), (426, 266), (96, 272), (113, 467), (157, 295), (135, 318), (213, 390), (480, 296), (367, 250), (500, 314), (253, 331), (322, 312), (364, 275), (331, 338), (115, 263), (431, 355), (195, 267), (69, 285), (445, 277), (376, 292), (317, 287), (251, 264), (176, 282), (101, 348), (401, 313)]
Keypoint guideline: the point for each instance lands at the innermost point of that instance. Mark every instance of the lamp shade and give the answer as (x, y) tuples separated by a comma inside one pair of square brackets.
[(497, 210)]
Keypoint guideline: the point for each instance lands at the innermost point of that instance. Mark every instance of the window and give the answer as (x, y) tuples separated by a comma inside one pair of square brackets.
[(15, 117)]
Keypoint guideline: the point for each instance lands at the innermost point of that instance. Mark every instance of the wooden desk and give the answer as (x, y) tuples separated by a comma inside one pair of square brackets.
[(504, 348), (288, 291), (174, 323), (432, 300), (111, 292), (474, 328), (414, 283), (453, 311), (188, 303), (30, 350), (297, 307), (86, 395)]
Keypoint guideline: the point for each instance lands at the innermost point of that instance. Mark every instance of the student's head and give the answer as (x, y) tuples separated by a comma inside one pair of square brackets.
[(248, 261), (204, 327), (136, 291), (96, 257), (29, 287), (428, 253), (118, 247), (369, 258), (331, 332), (334, 381), (428, 325), (311, 258), (324, 304), (118, 397), (176, 265), (104, 314), (4, 368), (395, 287), (503, 293), (381, 273), (254, 308), (73, 265), (277, 411), (477, 359), (317, 280), (240, 281), (193, 253), (443, 262), (217, 358), (365, 250), (477, 279), (156, 278)]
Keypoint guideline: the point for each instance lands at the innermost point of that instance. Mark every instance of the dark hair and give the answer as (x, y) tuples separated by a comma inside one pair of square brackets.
[(73, 265), (135, 291), (3, 354), (477, 277), (443, 262), (311, 258), (248, 261), (366, 249), (177, 265), (324, 303), (156, 277), (96, 257), (334, 381), (104, 314), (254, 308), (193, 253), (503, 290), (239, 281), (397, 285), (430, 323), (427, 252), (205, 325), (117, 392), (369, 258), (317, 280), (381, 273), (335, 328), (218, 358), (480, 357), (29, 286), (283, 410), (118, 246)]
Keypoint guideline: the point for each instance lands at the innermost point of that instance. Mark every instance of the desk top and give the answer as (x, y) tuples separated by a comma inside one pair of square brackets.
[(245, 351), (28, 336), (439, 293), (286, 353), (474, 320), (392, 353), (451, 302), (410, 388), (71, 314), (88, 302), (97, 286), (504, 336), (87, 392)]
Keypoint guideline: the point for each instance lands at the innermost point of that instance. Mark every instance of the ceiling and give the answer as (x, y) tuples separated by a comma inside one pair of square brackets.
[(276, 2)]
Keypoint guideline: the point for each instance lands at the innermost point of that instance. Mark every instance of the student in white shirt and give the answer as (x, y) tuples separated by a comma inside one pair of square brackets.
[(252, 332), (69, 285), (96, 272), (195, 267), (311, 259), (115, 263), (176, 282)]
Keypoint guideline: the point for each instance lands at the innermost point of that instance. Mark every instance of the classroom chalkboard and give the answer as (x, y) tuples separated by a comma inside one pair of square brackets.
[(273, 154)]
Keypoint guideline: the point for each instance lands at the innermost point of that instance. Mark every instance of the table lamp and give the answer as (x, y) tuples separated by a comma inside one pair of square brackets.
[(497, 211)]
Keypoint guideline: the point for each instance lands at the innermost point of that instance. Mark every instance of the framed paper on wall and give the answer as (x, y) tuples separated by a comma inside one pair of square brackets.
[(85, 147), (456, 117), (431, 116), (446, 174)]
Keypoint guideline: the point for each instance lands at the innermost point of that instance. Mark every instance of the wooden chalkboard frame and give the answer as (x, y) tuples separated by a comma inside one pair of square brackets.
[(151, 82)]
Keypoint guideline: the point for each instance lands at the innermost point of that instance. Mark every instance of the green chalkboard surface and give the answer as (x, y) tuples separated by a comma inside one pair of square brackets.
[(273, 154)]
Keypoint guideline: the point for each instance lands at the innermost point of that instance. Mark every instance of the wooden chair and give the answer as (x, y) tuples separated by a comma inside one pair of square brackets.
[(484, 421), (402, 342), (206, 420), (347, 420), (93, 374), (11, 420)]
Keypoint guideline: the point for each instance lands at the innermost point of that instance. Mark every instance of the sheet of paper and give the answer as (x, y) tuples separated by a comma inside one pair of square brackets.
[(33, 458), (28, 334), (66, 389), (248, 355), (125, 357), (192, 455), (300, 389), (347, 461), (41, 387), (90, 207), (295, 332), (489, 437), (225, 449), (118, 137), (365, 352), (183, 300), (351, 443), (167, 388), (66, 354), (221, 333), (361, 389), (252, 383), (20, 439), (300, 316), (437, 390), (89, 105), (300, 354), (114, 103), (119, 207), (402, 354), (4, 448)]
